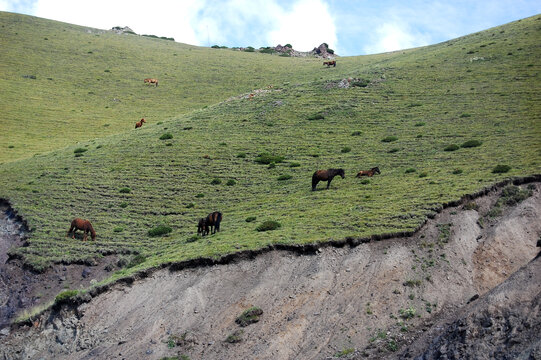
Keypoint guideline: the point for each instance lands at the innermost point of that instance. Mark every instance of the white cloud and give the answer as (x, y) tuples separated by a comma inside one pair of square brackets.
[(394, 36), (305, 26), (160, 17)]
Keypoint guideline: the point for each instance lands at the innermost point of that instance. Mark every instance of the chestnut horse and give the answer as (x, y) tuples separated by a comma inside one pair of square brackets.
[(326, 175), (368, 173), (329, 63), (139, 123), (80, 224), (151, 81), (212, 220)]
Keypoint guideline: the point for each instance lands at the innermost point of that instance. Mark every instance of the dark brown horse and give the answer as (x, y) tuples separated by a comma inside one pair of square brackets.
[(211, 221), (368, 173), (140, 123), (151, 81), (326, 175), (329, 63), (80, 224)]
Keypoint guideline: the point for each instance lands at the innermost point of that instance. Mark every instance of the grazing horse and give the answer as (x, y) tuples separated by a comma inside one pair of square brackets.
[(139, 123), (80, 224), (212, 220), (368, 173), (151, 81), (329, 63), (326, 175)]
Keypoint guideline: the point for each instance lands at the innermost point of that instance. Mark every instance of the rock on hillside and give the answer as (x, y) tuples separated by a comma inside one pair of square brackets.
[(322, 51)]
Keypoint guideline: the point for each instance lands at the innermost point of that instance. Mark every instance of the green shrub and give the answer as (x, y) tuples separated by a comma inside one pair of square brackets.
[(316, 117), (393, 150), (500, 169), (78, 154), (360, 83), (345, 149), (410, 170), (267, 158), (192, 239), (356, 133), (452, 147), (471, 143), (216, 181), (118, 229), (457, 171), (190, 205), (423, 175), (268, 225), (65, 295), (231, 182), (241, 155), (365, 181), (284, 177), (389, 139), (124, 190), (250, 218), (159, 230), (344, 352), (512, 195), (407, 313), (294, 164), (166, 136), (465, 115), (200, 195), (235, 337), (421, 123), (472, 205), (80, 150), (136, 260), (249, 316), (123, 205), (271, 166)]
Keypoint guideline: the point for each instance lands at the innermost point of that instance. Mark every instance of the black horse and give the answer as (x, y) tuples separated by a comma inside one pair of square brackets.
[(212, 221), (326, 175)]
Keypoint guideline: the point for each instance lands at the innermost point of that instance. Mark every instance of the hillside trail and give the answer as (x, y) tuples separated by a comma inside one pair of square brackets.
[(369, 301)]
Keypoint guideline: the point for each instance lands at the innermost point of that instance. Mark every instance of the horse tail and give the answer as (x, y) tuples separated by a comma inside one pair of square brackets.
[(217, 221)]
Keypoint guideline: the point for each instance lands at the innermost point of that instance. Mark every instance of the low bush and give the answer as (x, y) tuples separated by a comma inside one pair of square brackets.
[(250, 218), (268, 225), (500, 169), (471, 143), (294, 164), (159, 230), (118, 229), (389, 139), (80, 150), (235, 337), (241, 155), (166, 136), (345, 149), (284, 177), (230, 182), (316, 117), (267, 158), (452, 147), (457, 171), (124, 190), (356, 133), (410, 170), (136, 260), (216, 181), (249, 316)]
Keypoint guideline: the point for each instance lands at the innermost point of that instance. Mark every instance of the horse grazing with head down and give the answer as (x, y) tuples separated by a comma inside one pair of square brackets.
[(369, 173), (140, 123), (80, 224), (151, 81), (326, 175), (329, 63), (211, 221)]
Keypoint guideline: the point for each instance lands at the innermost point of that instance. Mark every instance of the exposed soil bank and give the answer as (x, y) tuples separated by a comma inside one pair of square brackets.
[(369, 300)]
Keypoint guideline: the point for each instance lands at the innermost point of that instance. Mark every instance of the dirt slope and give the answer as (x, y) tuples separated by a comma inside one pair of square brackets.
[(371, 301)]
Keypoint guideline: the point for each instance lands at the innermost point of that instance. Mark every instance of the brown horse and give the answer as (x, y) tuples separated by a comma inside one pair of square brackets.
[(329, 63), (212, 220), (326, 175), (80, 224), (139, 123), (151, 81), (368, 173)]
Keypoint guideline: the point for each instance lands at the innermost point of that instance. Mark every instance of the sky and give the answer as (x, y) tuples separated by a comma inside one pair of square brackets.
[(350, 27)]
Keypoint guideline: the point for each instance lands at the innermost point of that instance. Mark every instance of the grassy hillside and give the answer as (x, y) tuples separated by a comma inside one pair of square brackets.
[(64, 83), (484, 87)]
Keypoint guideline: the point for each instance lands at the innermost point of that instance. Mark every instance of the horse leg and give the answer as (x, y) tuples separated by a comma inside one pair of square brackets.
[(314, 183), (329, 183), (85, 236), (71, 228)]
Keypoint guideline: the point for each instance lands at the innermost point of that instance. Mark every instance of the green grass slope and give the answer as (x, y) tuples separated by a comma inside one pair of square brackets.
[(64, 83), (483, 87)]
